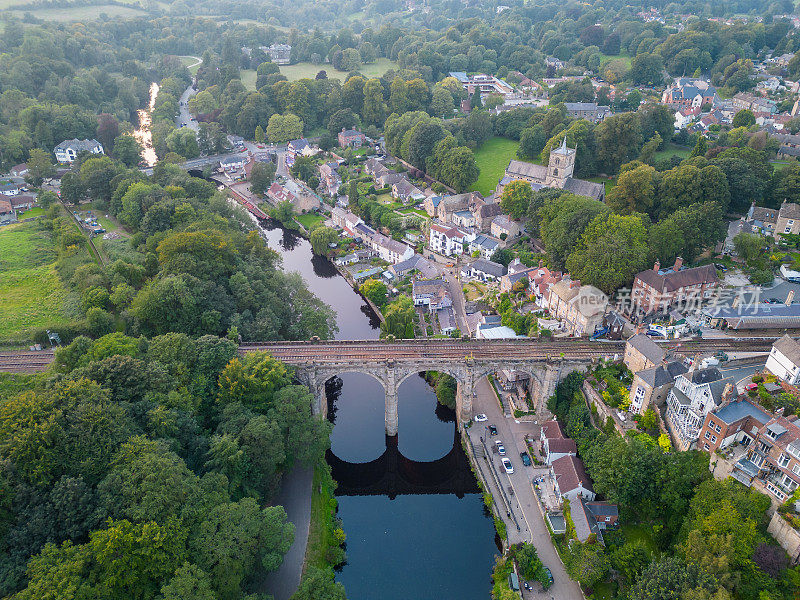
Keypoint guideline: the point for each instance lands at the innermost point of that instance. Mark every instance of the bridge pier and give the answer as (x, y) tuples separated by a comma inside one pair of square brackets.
[(465, 391), (390, 412), (547, 387)]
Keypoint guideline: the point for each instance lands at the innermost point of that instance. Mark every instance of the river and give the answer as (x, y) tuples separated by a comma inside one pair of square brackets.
[(401, 544), (143, 134)]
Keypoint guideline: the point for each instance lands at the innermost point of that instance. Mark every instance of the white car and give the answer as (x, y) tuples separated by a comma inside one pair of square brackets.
[(480, 418), (508, 466), (501, 450)]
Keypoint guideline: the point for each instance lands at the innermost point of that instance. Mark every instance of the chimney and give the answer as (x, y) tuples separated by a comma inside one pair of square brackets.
[(657, 266), (541, 263), (678, 264), (789, 298), (574, 283)]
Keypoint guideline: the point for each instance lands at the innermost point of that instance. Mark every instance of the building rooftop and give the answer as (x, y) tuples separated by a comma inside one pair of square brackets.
[(739, 409), (647, 348), (789, 347), (570, 473)]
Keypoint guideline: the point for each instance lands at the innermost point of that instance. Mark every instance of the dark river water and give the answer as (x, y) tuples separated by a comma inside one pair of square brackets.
[(416, 527)]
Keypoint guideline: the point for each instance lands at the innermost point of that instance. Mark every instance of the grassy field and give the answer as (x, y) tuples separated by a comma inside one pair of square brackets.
[(309, 219), (492, 160), (306, 70), (607, 58), (31, 292), (81, 13), (36, 211), (193, 63), (672, 150)]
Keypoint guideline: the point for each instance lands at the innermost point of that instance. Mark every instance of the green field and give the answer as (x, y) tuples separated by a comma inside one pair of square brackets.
[(309, 219), (80, 13), (607, 58), (31, 292), (193, 62), (36, 211), (492, 159), (305, 70), (672, 150)]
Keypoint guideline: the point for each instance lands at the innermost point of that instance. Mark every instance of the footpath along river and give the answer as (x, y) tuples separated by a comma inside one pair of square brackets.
[(400, 545)]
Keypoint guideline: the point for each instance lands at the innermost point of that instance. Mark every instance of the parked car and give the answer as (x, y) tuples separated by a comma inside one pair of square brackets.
[(480, 418), (772, 301), (508, 466), (492, 430), (526, 460), (501, 450), (721, 267), (751, 386)]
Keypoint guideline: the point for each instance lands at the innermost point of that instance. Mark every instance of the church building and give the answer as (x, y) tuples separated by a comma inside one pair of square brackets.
[(557, 174)]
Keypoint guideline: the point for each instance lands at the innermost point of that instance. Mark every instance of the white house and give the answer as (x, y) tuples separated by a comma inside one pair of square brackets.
[(345, 219), (784, 360), (68, 150), (233, 163), (432, 293), (448, 240), (694, 395), (388, 249), (483, 269), (554, 444), (570, 479), (485, 245)]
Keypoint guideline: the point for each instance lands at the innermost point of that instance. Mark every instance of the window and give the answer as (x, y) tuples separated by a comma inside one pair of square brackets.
[(708, 435), (706, 446), (717, 428), (783, 460), (713, 439)]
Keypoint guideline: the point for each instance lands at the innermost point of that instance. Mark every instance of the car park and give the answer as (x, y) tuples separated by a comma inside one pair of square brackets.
[(509, 468)]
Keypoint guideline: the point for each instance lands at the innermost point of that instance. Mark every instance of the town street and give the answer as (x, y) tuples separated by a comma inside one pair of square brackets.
[(184, 118), (524, 503)]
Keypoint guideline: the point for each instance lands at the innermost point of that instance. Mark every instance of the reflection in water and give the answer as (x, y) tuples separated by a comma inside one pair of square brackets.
[(355, 319), (392, 474), (415, 526), (143, 134)]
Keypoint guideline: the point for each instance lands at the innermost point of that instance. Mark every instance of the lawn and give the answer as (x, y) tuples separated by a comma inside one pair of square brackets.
[(82, 13), (412, 211), (306, 70), (309, 219), (637, 532), (492, 159), (672, 150), (36, 211), (608, 182), (31, 292), (248, 78), (607, 58), (193, 63)]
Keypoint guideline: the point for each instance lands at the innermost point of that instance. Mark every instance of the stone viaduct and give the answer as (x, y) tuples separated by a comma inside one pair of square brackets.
[(392, 362)]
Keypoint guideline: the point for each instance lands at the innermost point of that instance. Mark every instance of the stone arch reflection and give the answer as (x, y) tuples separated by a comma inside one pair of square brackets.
[(392, 474)]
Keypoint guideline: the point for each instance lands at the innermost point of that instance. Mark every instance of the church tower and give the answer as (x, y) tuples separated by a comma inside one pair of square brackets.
[(561, 166)]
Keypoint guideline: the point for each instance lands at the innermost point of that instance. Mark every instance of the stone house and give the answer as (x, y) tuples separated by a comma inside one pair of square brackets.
[(570, 479), (579, 308), (68, 150), (642, 353), (352, 138), (651, 386), (504, 227)]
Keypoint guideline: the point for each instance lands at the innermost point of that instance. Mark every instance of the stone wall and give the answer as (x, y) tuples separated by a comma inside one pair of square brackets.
[(603, 410), (786, 535)]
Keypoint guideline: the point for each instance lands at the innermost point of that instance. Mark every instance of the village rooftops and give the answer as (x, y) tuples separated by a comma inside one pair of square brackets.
[(661, 375), (552, 430), (670, 281)]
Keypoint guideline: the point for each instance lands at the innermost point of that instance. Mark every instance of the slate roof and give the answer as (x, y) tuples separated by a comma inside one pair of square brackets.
[(789, 347), (662, 374), (789, 151), (489, 267), (674, 280), (526, 170), (485, 241), (647, 348), (740, 409), (590, 189), (789, 210)]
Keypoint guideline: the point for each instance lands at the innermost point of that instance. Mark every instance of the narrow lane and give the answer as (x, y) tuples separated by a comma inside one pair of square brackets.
[(524, 501)]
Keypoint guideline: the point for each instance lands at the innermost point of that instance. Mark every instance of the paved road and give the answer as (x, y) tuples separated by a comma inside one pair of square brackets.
[(523, 502), (295, 497), (454, 284), (184, 117)]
